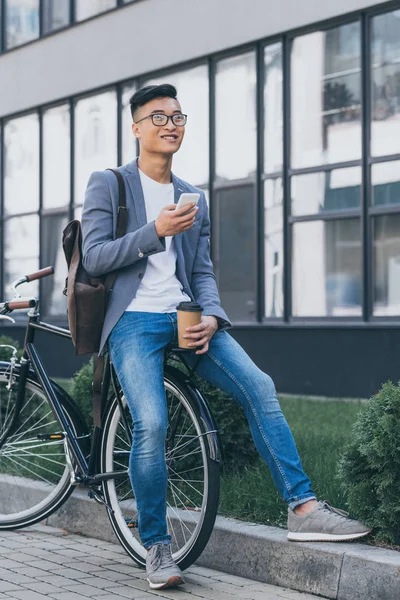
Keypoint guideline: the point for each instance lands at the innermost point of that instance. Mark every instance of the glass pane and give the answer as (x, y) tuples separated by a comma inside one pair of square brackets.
[(53, 301), (78, 212), (237, 251), (273, 109), (21, 183), (88, 8), (236, 126), (55, 14), (21, 252), (22, 21), (129, 151), (387, 265), (385, 179), (56, 157), (326, 259), (326, 97), (273, 247), (95, 138), (322, 192), (191, 162), (385, 60)]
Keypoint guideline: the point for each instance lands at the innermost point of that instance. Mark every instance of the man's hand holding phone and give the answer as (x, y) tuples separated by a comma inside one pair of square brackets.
[(176, 218)]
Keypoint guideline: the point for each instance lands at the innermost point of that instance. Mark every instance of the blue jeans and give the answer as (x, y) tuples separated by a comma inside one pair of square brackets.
[(136, 347)]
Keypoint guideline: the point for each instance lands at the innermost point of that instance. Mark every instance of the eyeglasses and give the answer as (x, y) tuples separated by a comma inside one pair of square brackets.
[(160, 120)]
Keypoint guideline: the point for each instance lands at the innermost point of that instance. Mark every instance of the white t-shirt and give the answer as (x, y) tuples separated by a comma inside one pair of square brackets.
[(159, 290)]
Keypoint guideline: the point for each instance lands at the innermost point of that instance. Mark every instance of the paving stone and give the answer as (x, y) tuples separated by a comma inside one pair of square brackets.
[(88, 591), (28, 595), (6, 586)]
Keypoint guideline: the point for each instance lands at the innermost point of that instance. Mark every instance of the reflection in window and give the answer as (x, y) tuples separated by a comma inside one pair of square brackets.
[(235, 97), (21, 183), (273, 247), (56, 157), (387, 265), (53, 300), (95, 138), (237, 248), (385, 62), (89, 8), (21, 251), (55, 14), (191, 161), (325, 96), (273, 106), (22, 21), (128, 139), (326, 259), (78, 212), (385, 179), (321, 192)]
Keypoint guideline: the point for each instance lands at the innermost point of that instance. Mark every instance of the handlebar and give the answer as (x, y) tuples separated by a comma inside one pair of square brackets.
[(39, 274), (18, 304)]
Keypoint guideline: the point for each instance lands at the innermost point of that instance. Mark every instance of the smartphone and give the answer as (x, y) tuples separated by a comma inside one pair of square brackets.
[(187, 198)]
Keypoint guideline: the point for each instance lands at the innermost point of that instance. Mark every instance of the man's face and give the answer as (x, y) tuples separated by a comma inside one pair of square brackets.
[(164, 139)]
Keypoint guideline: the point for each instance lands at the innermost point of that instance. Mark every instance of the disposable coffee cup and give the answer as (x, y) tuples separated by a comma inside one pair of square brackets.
[(189, 314)]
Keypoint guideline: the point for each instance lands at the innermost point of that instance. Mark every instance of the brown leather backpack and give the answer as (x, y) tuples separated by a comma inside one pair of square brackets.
[(88, 296)]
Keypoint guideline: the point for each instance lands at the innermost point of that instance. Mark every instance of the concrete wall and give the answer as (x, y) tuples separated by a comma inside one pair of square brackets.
[(145, 36)]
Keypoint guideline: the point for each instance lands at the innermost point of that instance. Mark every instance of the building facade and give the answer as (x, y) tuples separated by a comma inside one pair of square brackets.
[(293, 132)]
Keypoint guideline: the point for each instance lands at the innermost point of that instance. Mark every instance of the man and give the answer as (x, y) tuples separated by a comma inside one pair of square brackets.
[(163, 259)]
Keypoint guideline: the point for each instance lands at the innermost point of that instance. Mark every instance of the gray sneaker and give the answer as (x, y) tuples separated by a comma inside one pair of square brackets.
[(324, 524), (161, 569)]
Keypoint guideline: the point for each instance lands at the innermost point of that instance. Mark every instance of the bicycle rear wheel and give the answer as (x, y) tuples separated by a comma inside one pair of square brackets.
[(193, 476), (34, 475)]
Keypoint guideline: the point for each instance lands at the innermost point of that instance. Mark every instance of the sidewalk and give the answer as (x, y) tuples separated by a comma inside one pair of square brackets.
[(44, 562)]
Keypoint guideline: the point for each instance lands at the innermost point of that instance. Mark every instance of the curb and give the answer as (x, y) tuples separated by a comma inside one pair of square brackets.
[(341, 571)]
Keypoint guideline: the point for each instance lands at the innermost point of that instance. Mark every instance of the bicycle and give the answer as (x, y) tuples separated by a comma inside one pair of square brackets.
[(47, 449)]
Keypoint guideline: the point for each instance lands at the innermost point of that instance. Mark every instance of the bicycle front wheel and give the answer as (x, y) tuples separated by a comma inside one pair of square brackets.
[(193, 476), (34, 475)]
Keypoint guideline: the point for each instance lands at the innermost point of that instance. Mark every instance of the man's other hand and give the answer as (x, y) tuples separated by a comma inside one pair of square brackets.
[(201, 334), (171, 220)]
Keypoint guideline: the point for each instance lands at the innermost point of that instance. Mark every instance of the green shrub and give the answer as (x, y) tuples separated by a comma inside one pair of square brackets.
[(238, 447), (369, 470), (81, 391), (6, 353)]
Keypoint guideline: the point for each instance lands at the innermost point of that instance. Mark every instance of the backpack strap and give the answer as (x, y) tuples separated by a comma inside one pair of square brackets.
[(98, 361)]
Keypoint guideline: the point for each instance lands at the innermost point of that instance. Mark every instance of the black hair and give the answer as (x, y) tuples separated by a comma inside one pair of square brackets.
[(145, 94)]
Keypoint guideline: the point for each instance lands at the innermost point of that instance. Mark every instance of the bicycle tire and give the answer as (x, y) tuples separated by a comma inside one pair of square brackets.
[(122, 515), (34, 476)]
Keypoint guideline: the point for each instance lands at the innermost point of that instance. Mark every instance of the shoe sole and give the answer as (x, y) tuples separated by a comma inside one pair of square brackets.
[(324, 537), (172, 582)]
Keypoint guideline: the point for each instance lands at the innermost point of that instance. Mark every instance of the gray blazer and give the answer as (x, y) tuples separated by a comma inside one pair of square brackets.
[(102, 253)]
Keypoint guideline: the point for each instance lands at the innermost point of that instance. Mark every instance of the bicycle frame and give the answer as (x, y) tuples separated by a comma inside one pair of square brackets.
[(86, 468)]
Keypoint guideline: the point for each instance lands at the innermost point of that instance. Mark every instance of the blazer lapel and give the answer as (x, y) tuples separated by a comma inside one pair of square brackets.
[(133, 179), (178, 190)]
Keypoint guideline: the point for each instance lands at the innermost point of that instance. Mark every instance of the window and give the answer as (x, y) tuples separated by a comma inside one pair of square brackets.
[(237, 251), (191, 162), (387, 265), (325, 96), (21, 158), (385, 81), (22, 21), (95, 138), (273, 109), (56, 157), (235, 116), (89, 8), (55, 14), (21, 251), (326, 276), (273, 185), (273, 247), (129, 150), (56, 200)]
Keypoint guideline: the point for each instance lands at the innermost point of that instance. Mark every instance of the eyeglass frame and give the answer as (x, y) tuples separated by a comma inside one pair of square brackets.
[(168, 118)]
